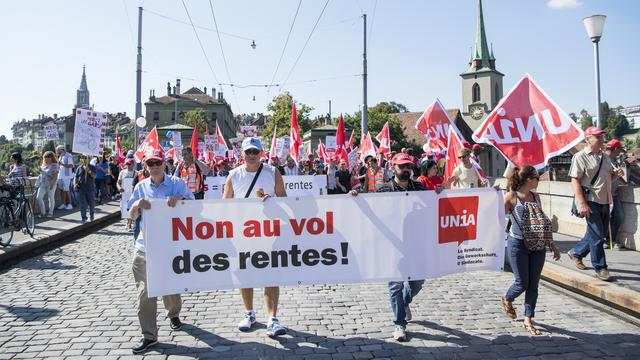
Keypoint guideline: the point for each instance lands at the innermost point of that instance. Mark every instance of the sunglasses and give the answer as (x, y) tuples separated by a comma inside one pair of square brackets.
[(152, 163), (404, 166), (252, 152)]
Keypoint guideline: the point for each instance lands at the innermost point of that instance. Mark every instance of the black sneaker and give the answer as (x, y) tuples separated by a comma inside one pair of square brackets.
[(175, 323), (143, 346)]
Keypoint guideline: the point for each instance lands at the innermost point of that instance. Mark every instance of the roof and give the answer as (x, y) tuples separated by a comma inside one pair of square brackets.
[(176, 127), (200, 98), (408, 120)]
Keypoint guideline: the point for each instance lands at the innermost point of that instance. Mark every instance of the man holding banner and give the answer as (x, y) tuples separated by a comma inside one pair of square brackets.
[(254, 179), (156, 186)]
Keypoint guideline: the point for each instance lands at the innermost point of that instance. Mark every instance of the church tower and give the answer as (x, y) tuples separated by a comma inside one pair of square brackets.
[(82, 95), (481, 82)]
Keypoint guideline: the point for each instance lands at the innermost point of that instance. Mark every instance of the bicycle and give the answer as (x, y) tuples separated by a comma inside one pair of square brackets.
[(16, 213)]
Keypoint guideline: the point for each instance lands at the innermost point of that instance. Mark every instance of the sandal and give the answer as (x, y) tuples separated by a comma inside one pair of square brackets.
[(531, 329), (508, 308)]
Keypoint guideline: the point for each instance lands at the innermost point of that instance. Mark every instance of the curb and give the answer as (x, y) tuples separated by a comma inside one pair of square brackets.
[(34, 247), (607, 293)]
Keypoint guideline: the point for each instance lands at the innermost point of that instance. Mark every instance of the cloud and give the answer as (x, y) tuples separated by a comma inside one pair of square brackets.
[(563, 4)]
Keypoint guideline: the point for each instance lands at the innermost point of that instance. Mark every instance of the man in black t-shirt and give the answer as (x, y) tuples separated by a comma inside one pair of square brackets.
[(343, 178)]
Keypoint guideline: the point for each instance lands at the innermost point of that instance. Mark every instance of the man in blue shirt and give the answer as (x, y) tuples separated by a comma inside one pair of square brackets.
[(156, 186)]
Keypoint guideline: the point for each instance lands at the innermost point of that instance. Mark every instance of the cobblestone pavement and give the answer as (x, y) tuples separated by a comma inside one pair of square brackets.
[(78, 302)]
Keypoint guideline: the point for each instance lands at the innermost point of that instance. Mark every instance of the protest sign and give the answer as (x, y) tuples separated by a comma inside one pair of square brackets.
[(249, 131), (242, 243), (305, 185), (127, 185), (51, 132), (177, 139), (214, 187), (88, 132), (527, 127), (330, 142)]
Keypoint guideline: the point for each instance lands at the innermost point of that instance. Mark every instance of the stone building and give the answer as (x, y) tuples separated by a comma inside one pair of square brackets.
[(169, 110)]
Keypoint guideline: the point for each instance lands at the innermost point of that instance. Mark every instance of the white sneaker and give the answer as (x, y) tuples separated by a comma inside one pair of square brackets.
[(69, 207), (399, 333), (247, 322), (62, 207), (274, 328), (49, 215)]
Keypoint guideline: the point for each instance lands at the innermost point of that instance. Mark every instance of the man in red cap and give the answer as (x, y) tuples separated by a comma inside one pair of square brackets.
[(157, 186), (591, 174), (613, 150), (401, 293)]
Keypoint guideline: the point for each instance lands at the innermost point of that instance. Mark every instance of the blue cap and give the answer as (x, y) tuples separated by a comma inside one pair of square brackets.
[(251, 143)]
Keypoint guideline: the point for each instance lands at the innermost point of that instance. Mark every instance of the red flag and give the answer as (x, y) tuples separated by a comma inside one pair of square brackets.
[(527, 127), (206, 128), (341, 138), (150, 142), (274, 142), (222, 144), (385, 141), (119, 150), (296, 140), (350, 148), (322, 152), (435, 123), (172, 154), (454, 146), (367, 147), (194, 142)]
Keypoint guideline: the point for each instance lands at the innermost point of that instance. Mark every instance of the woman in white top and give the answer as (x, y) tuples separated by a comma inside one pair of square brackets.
[(48, 181), (268, 184)]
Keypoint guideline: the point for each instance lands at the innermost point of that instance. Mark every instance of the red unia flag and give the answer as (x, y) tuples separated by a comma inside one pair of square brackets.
[(119, 150), (322, 153), (341, 146), (150, 142), (172, 154), (222, 144), (296, 140), (385, 141), (435, 123), (274, 142), (350, 147), (194, 142), (367, 147), (454, 146), (527, 127)]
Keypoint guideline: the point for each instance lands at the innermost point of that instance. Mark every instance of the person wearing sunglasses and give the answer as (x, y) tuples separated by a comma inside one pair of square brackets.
[(254, 179), (157, 186), (465, 174), (192, 172), (401, 293)]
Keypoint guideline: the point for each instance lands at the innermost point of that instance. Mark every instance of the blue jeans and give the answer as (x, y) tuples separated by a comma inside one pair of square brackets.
[(617, 218), (86, 199), (100, 188), (527, 267), (597, 230), (400, 295)]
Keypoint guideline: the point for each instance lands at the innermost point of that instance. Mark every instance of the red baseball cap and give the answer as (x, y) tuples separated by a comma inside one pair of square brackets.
[(402, 158), (614, 144), (476, 147), (594, 131), (128, 161), (153, 154)]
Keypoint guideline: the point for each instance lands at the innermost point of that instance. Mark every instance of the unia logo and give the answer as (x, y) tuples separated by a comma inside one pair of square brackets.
[(457, 219)]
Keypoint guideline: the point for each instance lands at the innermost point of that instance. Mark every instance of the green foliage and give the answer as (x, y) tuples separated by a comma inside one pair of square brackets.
[(49, 146), (3, 140), (585, 119), (196, 118), (280, 115), (378, 116), (616, 125), (31, 158)]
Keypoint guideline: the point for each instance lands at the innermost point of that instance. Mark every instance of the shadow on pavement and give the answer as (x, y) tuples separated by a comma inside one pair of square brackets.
[(30, 313)]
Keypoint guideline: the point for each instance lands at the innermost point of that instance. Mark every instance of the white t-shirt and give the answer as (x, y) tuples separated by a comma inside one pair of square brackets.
[(465, 176), (241, 181), (66, 173)]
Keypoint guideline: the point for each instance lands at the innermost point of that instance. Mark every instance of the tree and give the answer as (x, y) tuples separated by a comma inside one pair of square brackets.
[(613, 122), (586, 120), (378, 116), (49, 146), (197, 118), (3, 140), (280, 115)]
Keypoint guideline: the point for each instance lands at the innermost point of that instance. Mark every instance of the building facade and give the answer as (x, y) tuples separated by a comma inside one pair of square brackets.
[(169, 110)]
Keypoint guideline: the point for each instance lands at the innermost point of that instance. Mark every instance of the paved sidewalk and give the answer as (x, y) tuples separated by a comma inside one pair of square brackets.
[(78, 302), (64, 223)]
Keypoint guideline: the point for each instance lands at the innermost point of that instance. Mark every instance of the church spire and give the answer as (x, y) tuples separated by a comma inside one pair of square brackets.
[(83, 82), (482, 56), (82, 94)]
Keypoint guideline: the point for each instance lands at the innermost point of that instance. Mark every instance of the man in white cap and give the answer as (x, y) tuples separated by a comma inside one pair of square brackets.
[(65, 160), (254, 179)]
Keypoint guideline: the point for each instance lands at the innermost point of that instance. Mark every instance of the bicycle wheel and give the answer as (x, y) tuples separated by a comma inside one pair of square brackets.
[(28, 219), (6, 225)]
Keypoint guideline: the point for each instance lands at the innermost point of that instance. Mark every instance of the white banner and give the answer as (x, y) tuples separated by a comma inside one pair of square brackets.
[(330, 143), (214, 187), (88, 132), (305, 185), (248, 131), (127, 185), (241, 243), (51, 132), (177, 139)]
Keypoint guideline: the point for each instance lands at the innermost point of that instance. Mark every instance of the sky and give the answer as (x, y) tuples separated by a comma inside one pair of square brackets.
[(416, 51)]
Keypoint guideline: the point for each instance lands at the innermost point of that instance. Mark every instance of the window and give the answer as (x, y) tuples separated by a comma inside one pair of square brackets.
[(496, 93), (173, 116), (156, 116), (214, 116), (475, 93)]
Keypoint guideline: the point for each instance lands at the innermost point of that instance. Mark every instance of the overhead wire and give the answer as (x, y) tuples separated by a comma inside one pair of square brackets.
[(306, 43), (295, 16), (224, 58), (126, 13), (373, 19), (197, 26)]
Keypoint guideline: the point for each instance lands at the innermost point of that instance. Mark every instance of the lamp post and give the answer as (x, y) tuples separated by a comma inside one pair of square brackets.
[(595, 25)]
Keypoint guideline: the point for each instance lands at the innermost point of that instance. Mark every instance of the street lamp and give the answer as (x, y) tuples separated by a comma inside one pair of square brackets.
[(595, 25)]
